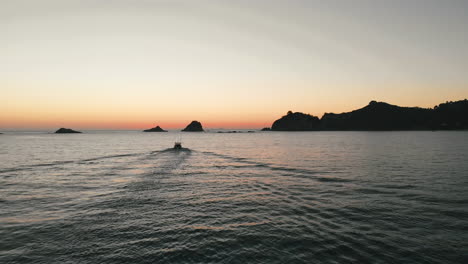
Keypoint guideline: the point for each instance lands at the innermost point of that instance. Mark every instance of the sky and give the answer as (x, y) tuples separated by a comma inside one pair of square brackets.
[(134, 64)]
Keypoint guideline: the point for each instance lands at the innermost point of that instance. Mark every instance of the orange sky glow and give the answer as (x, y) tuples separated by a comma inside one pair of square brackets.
[(228, 64)]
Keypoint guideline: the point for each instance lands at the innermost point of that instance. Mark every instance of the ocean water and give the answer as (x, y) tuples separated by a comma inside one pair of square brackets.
[(265, 197)]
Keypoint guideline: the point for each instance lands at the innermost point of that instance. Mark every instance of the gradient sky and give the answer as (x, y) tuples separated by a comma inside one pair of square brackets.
[(132, 64)]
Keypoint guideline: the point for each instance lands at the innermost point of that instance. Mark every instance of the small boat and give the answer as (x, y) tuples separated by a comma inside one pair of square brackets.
[(178, 145)]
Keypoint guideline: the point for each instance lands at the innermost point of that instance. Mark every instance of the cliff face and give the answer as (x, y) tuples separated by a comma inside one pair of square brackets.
[(194, 126), (155, 129), (296, 122), (381, 116), (66, 131)]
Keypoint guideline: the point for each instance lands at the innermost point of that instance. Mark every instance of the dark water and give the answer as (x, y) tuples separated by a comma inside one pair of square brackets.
[(317, 197)]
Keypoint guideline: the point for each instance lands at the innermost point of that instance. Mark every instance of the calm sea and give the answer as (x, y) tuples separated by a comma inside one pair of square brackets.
[(265, 197)]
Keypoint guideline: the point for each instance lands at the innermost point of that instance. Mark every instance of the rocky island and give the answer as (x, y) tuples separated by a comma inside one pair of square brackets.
[(66, 131), (381, 116), (155, 129), (194, 126)]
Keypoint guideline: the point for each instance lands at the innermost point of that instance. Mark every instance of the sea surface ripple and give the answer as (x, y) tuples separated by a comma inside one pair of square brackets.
[(317, 197)]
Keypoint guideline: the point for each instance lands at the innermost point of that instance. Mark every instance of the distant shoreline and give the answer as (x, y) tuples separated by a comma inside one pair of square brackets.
[(170, 132), (376, 116)]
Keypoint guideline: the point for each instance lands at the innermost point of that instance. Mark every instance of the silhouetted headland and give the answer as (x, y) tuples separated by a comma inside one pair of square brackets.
[(66, 131), (155, 129), (381, 116), (194, 126), (296, 122)]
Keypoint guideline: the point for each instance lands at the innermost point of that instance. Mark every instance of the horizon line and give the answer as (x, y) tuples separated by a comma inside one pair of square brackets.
[(142, 125)]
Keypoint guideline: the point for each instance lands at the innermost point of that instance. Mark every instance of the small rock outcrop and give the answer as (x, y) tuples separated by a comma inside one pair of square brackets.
[(155, 129), (235, 131), (194, 126), (266, 129), (66, 131), (296, 122)]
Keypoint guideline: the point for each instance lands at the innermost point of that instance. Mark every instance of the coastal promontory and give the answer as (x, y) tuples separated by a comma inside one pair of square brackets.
[(194, 126), (155, 129), (296, 122), (66, 131), (381, 116)]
